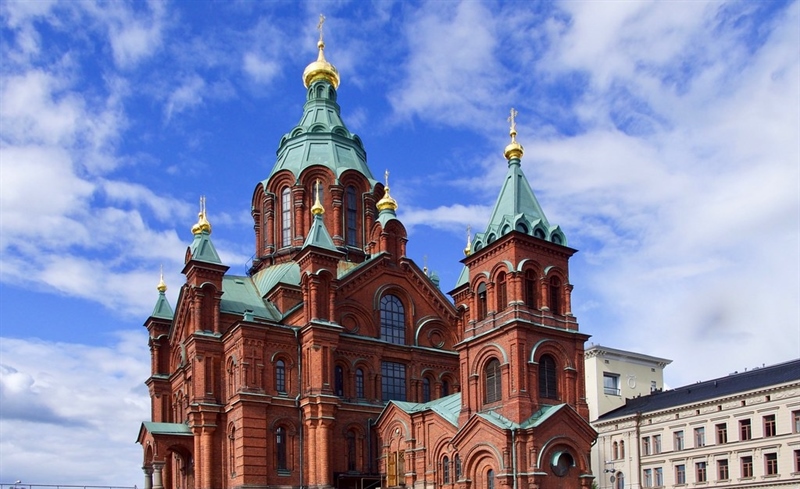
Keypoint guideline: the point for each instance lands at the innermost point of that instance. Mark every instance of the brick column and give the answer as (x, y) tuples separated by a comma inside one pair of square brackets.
[(323, 451)]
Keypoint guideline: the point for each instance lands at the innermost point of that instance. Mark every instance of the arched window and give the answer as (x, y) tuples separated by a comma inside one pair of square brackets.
[(622, 449), (280, 376), (351, 451), (351, 216), (481, 302), (426, 389), (502, 299), (280, 448), (616, 450), (620, 482), (493, 381), (286, 217), (458, 467), (530, 289), (446, 471), (548, 380), (338, 381), (555, 295), (232, 450), (445, 388), (393, 320), (490, 479), (359, 383)]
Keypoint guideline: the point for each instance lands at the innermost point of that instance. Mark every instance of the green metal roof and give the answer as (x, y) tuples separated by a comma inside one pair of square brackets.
[(202, 249), (321, 138), (241, 295), (538, 418), (517, 209), (285, 273), (162, 310), (167, 428), (319, 236), (447, 407)]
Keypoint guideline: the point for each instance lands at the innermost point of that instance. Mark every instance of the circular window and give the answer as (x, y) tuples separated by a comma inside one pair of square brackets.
[(561, 463)]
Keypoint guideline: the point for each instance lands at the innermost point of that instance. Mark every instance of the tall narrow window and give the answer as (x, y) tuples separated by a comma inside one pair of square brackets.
[(747, 466), (490, 479), (547, 378), (646, 445), (502, 298), (426, 389), (678, 440), (648, 478), (555, 295), (622, 449), (445, 388), (481, 302), (280, 448), (359, 383), (351, 451), (658, 475), (493, 381), (656, 444), (620, 481), (699, 437), (393, 320), (796, 421), (286, 217), (530, 289), (458, 467), (232, 450), (446, 471), (280, 376), (616, 450), (338, 381), (351, 215), (771, 464), (723, 473), (700, 472), (680, 474), (393, 381), (722, 433), (769, 425)]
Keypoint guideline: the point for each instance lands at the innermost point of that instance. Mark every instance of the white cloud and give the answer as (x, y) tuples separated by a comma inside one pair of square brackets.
[(261, 70), (92, 396), (189, 94)]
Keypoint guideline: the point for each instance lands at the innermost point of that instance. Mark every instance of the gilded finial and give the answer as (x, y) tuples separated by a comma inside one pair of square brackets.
[(425, 265), (162, 286), (317, 208), (321, 69), (468, 249), (202, 221), (514, 149), (386, 202)]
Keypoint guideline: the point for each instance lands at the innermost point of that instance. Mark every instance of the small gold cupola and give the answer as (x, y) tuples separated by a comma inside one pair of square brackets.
[(386, 202), (514, 149), (468, 249), (321, 69), (317, 208), (202, 224), (162, 286)]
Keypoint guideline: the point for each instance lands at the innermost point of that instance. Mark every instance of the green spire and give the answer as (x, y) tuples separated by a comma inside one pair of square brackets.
[(517, 207), (202, 249), (318, 235), (162, 310)]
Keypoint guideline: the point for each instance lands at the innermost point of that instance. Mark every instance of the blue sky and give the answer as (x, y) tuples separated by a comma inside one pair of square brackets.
[(664, 138)]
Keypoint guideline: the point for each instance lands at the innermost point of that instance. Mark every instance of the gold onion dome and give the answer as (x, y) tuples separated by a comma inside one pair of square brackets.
[(162, 286), (320, 69), (386, 202), (514, 149), (202, 222)]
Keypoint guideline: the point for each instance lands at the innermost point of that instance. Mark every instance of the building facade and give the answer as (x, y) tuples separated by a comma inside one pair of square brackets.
[(612, 376), (337, 362), (738, 431)]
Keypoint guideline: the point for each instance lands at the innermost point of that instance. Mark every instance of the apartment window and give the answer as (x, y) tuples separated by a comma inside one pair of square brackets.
[(656, 444), (610, 384), (493, 381), (745, 433), (699, 437), (680, 474), (722, 433), (678, 440), (797, 460), (393, 320), (658, 476), (648, 478), (747, 466), (771, 464), (723, 473), (286, 217), (393, 381), (646, 445), (359, 383), (796, 419), (769, 425), (547, 377), (653, 385), (700, 472)]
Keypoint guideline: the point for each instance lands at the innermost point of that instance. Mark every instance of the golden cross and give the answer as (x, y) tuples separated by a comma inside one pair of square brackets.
[(319, 26), (386, 176), (317, 192), (203, 205), (512, 120)]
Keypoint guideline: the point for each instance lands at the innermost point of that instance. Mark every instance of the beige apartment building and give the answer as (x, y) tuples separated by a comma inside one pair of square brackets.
[(741, 431)]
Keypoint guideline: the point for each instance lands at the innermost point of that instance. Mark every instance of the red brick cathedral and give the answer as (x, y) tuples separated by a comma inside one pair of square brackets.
[(338, 362)]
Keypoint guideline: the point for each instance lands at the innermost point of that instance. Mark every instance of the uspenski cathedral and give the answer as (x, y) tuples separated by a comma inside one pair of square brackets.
[(337, 361)]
